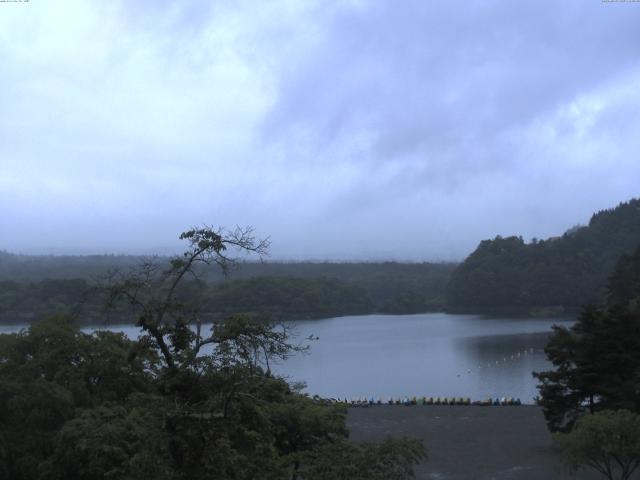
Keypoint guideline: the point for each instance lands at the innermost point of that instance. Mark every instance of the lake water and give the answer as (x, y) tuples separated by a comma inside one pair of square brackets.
[(432, 354), (426, 354)]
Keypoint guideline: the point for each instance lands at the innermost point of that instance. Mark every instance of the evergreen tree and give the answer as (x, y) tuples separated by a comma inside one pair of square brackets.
[(597, 360)]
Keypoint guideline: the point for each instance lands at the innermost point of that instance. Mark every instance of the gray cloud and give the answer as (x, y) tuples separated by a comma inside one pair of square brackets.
[(342, 129)]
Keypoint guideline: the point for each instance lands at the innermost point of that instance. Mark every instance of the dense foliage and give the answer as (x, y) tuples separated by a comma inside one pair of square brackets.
[(279, 298), (94, 406), (33, 268), (597, 360), (607, 441), (624, 284), (25, 302), (289, 298), (547, 276), (177, 403), (291, 291)]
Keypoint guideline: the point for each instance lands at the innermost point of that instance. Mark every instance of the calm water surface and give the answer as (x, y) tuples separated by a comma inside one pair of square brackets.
[(426, 354)]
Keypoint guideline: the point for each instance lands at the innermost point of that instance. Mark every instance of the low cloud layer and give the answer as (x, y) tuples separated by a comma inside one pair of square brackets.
[(362, 130)]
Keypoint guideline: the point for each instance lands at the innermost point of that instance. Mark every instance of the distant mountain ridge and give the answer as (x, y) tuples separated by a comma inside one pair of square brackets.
[(550, 276)]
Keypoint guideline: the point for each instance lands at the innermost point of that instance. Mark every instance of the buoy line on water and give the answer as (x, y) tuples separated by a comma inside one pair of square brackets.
[(406, 401), (526, 353)]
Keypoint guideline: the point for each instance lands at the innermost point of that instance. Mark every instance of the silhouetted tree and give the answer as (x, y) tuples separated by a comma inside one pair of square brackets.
[(178, 402)]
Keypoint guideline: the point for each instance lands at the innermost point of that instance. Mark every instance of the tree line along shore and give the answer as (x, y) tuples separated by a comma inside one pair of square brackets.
[(503, 276)]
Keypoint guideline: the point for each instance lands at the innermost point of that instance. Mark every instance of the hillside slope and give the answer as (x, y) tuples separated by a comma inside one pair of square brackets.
[(556, 275)]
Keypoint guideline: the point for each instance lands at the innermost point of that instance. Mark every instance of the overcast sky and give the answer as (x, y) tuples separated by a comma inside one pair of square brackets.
[(406, 130)]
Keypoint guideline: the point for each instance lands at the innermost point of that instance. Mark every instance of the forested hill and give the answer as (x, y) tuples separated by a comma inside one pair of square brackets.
[(548, 276), (33, 287)]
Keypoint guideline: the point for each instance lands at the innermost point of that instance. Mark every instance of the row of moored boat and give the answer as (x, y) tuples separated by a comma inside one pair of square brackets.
[(408, 401)]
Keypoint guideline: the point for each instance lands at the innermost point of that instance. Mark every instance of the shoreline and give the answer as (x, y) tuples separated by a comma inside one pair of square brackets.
[(118, 321)]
